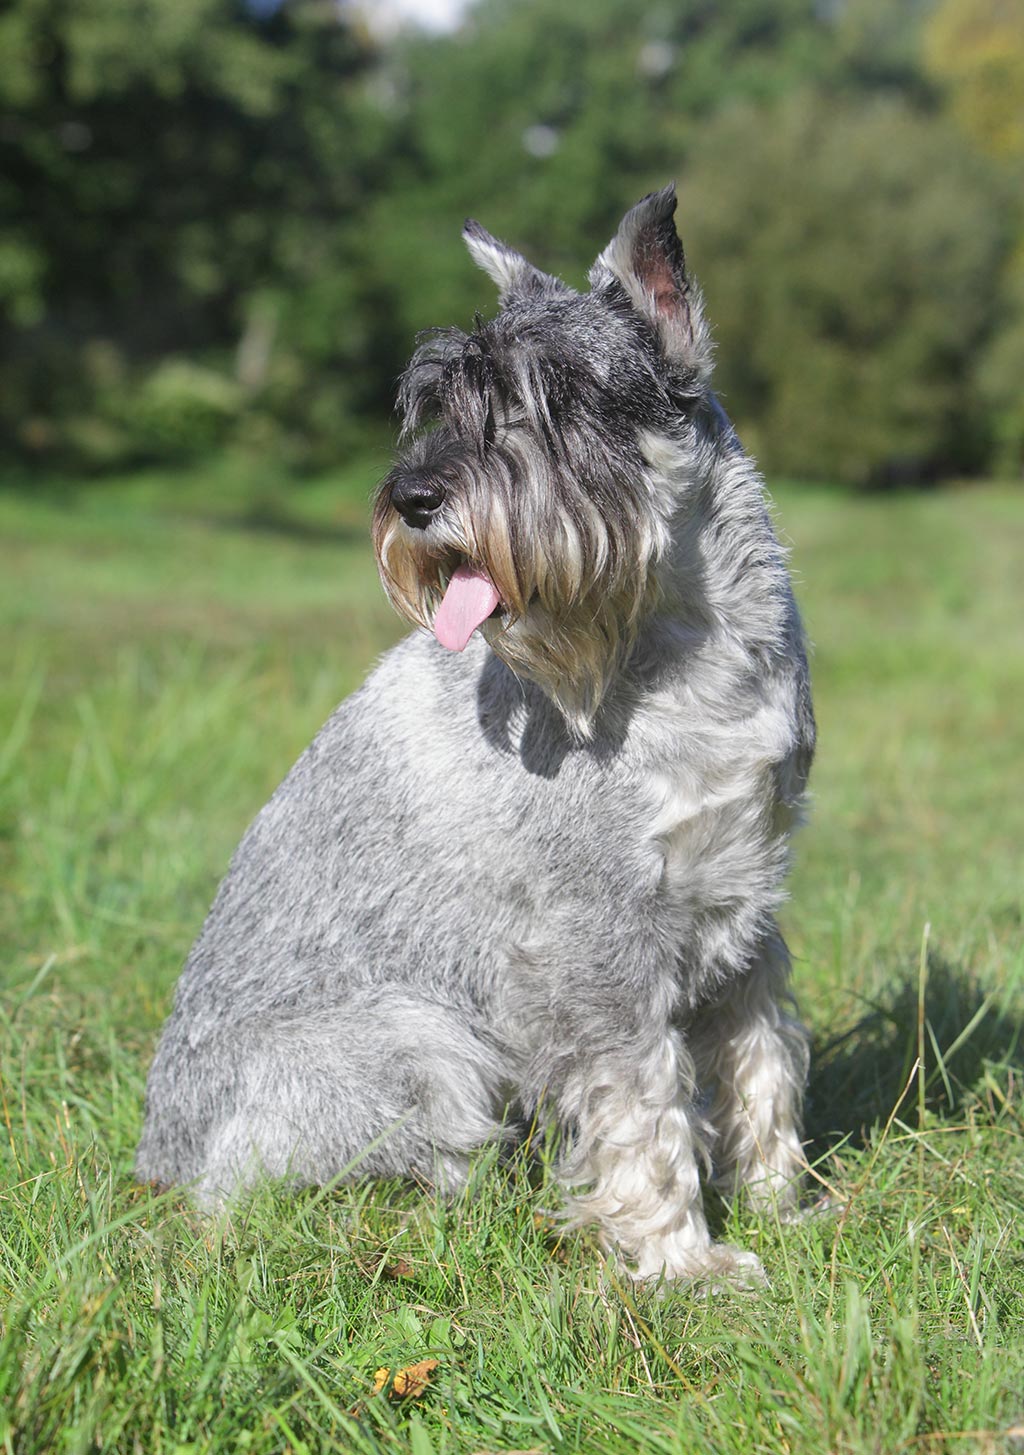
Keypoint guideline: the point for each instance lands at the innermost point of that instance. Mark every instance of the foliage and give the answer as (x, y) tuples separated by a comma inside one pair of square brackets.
[(976, 47), (183, 408), (975, 51), (862, 356), (584, 106), (1000, 371), (268, 193), (169, 172), (160, 671)]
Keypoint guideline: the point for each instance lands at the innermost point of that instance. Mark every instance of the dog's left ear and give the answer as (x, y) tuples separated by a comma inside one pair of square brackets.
[(645, 257), (514, 276)]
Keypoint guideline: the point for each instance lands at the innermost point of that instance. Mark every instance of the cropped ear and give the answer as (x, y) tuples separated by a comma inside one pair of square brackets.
[(514, 276), (645, 258)]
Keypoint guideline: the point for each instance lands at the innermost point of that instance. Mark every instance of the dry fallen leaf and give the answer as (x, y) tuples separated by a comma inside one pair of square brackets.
[(378, 1265), (398, 1269), (408, 1383)]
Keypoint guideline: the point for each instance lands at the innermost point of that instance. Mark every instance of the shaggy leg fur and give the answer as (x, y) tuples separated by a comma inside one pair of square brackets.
[(754, 1056), (639, 1145)]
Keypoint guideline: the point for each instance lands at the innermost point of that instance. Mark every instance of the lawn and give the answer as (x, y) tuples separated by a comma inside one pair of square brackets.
[(169, 646)]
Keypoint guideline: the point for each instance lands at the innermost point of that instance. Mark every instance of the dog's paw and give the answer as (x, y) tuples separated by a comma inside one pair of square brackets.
[(730, 1267), (727, 1269), (717, 1268)]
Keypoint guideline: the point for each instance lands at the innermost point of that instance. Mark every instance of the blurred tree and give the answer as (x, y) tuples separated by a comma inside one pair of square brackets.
[(171, 175), (225, 220), (547, 118), (848, 252), (1000, 374), (976, 48), (877, 47)]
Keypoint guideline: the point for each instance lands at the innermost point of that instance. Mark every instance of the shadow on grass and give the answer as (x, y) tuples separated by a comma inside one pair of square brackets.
[(859, 1076)]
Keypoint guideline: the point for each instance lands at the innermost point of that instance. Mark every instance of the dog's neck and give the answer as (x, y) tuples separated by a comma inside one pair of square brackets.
[(723, 573)]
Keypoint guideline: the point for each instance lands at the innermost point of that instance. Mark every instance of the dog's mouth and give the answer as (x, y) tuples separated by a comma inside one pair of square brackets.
[(469, 599)]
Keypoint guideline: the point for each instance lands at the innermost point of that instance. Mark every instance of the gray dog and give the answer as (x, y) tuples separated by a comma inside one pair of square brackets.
[(535, 873)]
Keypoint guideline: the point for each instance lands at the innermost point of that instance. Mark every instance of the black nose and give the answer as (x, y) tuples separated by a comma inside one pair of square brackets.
[(417, 498)]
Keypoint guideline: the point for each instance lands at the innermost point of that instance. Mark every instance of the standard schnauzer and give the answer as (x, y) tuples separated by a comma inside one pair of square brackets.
[(535, 873)]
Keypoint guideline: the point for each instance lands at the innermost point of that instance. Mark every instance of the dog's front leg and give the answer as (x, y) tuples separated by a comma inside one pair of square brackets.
[(633, 1166), (752, 1055)]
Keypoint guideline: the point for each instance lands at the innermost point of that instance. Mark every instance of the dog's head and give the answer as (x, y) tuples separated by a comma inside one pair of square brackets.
[(526, 503)]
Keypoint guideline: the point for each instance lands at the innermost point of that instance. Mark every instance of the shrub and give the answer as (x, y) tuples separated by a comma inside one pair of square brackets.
[(849, 251), (182, 409)]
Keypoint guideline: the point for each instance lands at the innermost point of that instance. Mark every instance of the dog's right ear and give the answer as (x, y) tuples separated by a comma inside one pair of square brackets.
[(645, 259), (514, 276)]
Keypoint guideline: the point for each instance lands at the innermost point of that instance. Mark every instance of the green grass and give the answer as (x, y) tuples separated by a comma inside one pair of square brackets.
[(168, 650)]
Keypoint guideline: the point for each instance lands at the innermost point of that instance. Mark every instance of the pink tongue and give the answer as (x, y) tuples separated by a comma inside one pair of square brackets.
[(469, 600)]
